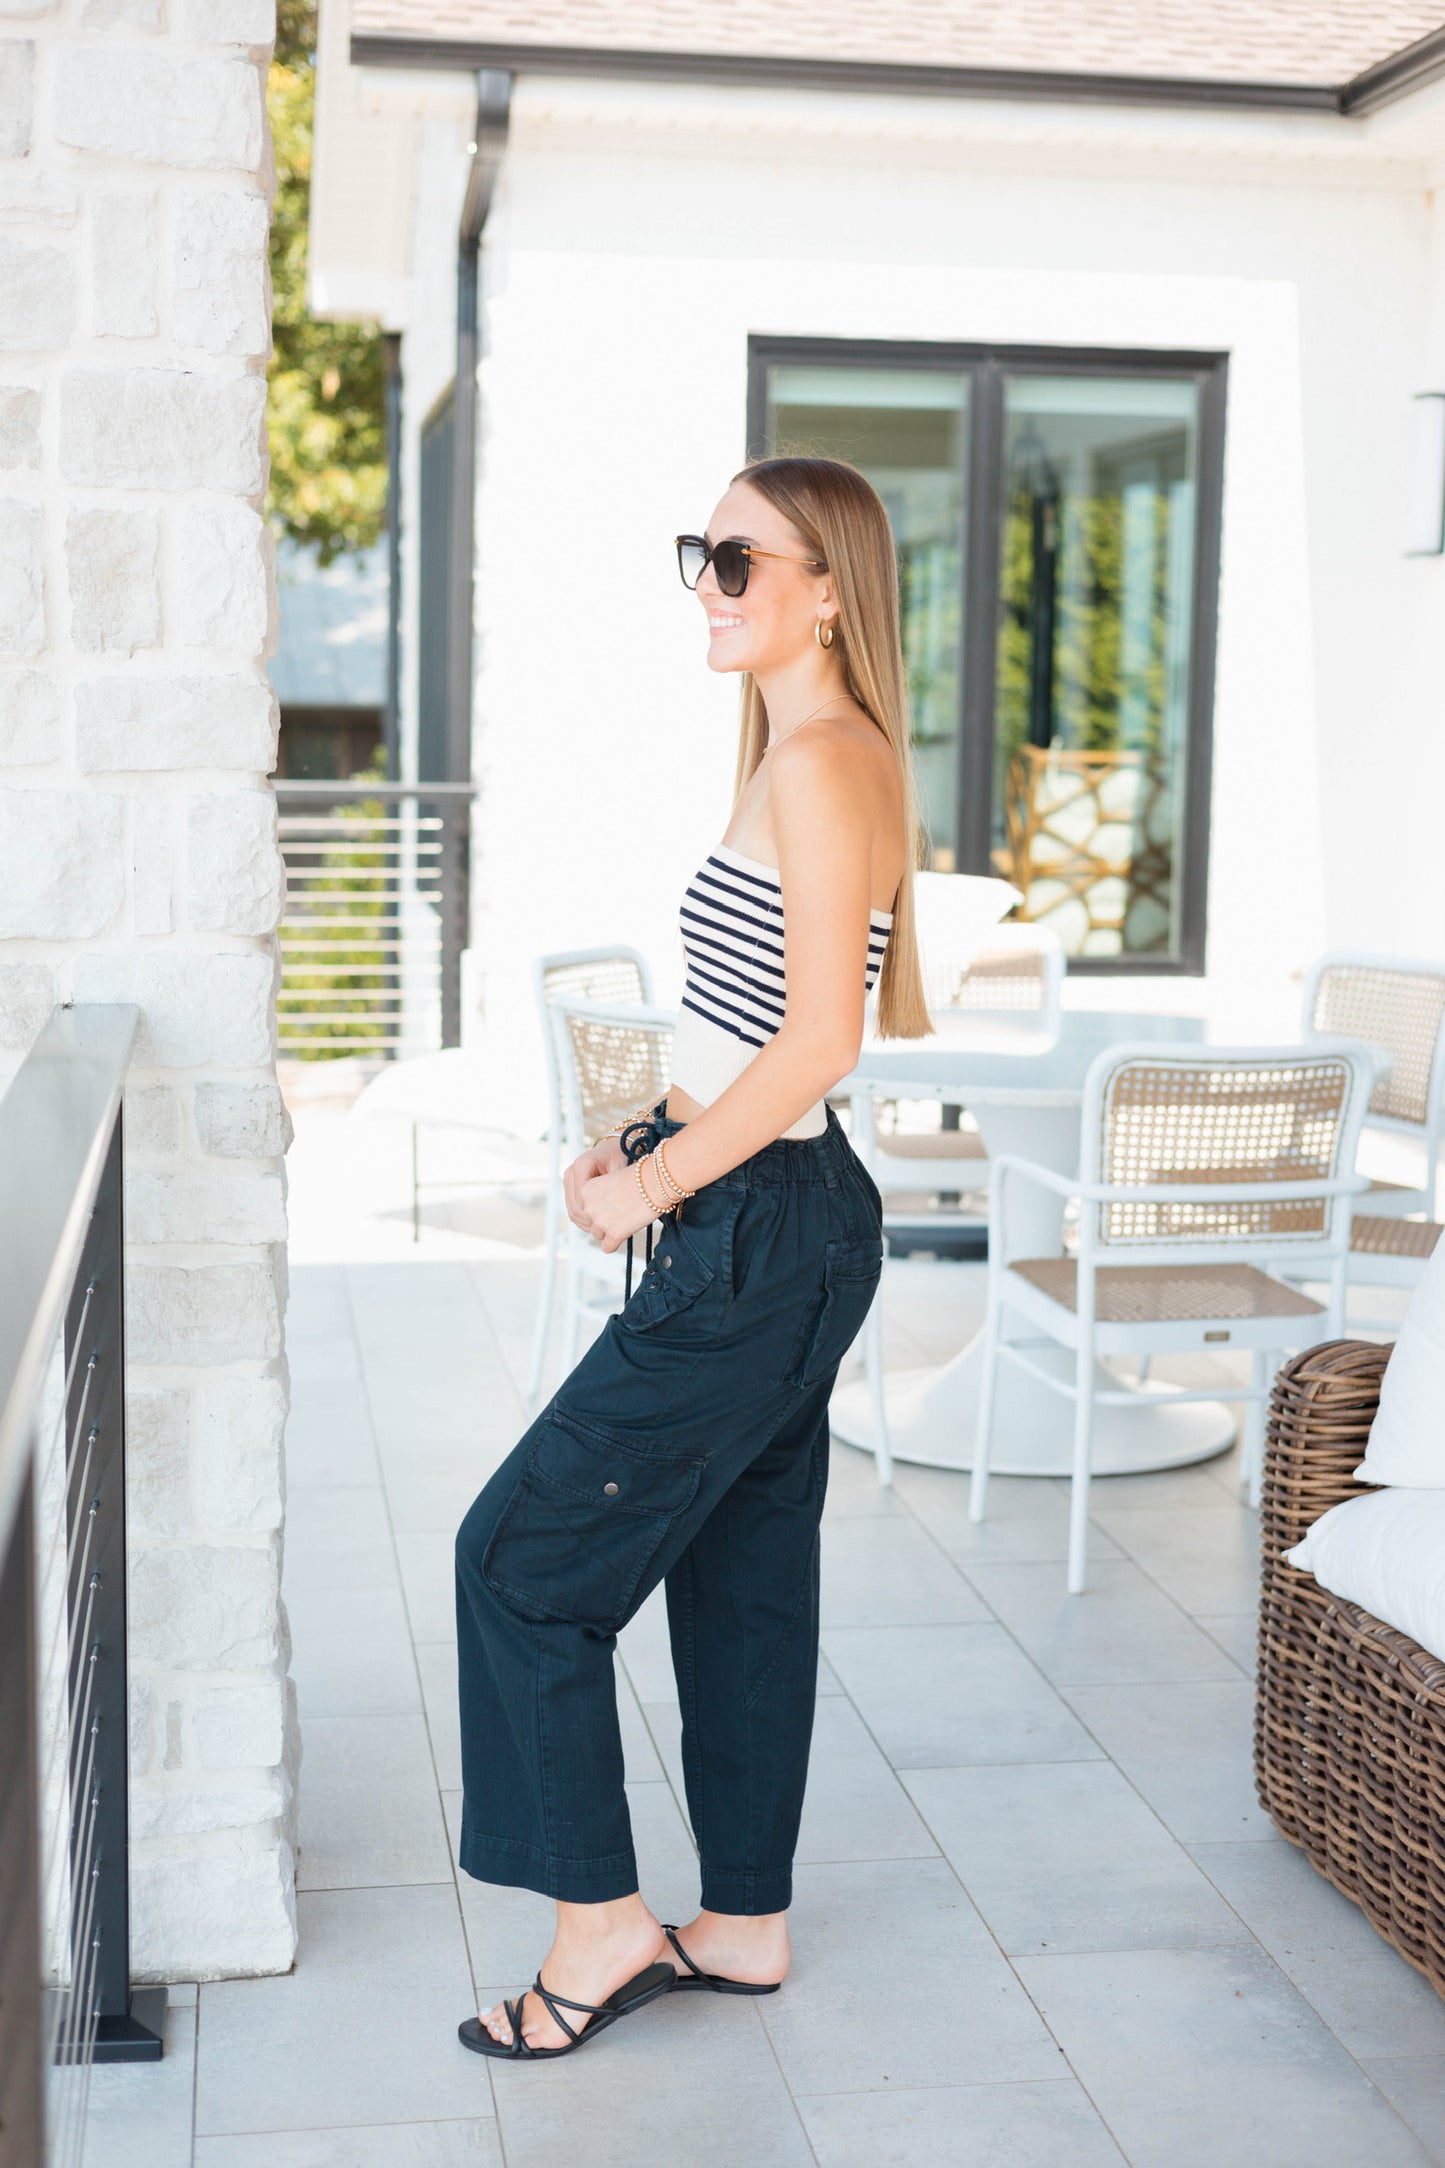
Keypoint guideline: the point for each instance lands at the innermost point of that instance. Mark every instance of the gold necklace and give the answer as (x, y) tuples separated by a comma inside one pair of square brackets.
[(806, 719)]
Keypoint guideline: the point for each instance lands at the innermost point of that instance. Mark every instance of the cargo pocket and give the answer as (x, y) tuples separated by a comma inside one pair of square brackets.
[(584, 1524), (835, 1316), (678, 1275)]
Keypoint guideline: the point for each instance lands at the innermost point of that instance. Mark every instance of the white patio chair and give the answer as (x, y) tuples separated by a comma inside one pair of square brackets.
[(1398, 1003), (1016, 978), (1201, 1177), (612, 1059), (592, 974)]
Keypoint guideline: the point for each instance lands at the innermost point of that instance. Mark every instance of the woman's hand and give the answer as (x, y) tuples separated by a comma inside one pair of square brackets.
[(604, 1156), (612, 1207)]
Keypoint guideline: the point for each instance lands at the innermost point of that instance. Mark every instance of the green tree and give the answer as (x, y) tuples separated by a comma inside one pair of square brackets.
[(326, 415)]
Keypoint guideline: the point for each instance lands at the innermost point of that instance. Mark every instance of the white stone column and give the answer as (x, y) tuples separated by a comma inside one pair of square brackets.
[(138, 860)]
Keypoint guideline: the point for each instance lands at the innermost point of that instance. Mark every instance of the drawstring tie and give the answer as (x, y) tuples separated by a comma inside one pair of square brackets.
[(637, 1140)]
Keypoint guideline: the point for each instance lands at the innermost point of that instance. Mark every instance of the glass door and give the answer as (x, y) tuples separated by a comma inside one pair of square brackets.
[(907, 429), (1057, 523), (1091, 715)]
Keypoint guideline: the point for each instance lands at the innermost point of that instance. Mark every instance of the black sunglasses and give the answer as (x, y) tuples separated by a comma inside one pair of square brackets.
[(731, 562)]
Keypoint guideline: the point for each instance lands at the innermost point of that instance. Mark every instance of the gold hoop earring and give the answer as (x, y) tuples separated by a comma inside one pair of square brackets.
[(825, 627)]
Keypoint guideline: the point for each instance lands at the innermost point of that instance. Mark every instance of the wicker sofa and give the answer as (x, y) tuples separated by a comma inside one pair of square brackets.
[(1349, 1742)]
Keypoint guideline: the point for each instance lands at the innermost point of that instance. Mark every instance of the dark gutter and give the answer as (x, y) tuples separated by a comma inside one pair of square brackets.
[(1375, 86), (383, 50), (1418, 64), (494, 99)]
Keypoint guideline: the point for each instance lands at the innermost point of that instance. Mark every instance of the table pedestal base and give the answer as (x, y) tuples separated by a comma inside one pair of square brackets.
[(931, 1417)]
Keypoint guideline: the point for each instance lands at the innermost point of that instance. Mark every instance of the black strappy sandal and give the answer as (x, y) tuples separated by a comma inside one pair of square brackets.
[(646, 1987), (714, 1981)]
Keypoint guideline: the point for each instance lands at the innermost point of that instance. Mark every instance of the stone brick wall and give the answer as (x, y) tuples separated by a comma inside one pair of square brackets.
[(139, 862)]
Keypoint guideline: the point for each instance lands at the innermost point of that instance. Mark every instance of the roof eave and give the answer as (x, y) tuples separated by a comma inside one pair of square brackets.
[(1409, 69), (1377, 87)]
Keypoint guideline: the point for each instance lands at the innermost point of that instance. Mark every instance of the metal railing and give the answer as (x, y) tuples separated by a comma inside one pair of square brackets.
[(66, 2001), (376, 917)]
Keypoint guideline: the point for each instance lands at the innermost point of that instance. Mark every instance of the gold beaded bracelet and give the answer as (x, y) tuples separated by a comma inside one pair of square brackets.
[(640, 1114), (672, 1187), (655, 1210)]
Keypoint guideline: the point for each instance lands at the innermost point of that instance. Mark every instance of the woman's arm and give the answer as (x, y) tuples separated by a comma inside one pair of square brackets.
[(823, 832)]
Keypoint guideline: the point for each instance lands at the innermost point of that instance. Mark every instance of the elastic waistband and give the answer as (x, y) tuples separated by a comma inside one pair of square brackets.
[(790, 1160)]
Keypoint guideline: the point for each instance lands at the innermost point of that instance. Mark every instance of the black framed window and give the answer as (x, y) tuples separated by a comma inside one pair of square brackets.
[(1057, 520)]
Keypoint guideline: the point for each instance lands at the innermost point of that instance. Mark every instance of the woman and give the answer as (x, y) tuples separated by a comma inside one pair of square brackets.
[(690, 1444)]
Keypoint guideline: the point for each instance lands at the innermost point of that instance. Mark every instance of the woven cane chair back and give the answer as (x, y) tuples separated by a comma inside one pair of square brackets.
[(1017, 974), (613, 975), (1218, 1120), (1395, 1005), (613, 1067)]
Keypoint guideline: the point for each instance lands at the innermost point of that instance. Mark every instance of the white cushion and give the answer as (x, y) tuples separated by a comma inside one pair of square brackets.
[(1407, 1437), (1386, 1553)]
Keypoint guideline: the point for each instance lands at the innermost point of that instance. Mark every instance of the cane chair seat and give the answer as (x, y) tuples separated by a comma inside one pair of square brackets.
[(1372, 1235), (1168, 1294)]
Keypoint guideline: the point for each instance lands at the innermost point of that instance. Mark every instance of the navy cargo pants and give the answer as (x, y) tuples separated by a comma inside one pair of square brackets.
[(690, 1445)]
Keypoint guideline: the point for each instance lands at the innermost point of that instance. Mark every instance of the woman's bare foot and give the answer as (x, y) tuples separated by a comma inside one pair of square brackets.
[(598, 1948), (738, 1945)]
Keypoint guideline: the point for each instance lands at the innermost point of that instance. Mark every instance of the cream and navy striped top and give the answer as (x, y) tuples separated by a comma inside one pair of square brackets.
[(736, 990)]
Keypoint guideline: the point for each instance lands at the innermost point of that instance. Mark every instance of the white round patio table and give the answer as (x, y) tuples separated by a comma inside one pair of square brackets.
[(1024, 1088)]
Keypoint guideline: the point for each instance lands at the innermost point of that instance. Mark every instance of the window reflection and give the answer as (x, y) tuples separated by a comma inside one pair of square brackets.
[(906, 430), (1095, 608)]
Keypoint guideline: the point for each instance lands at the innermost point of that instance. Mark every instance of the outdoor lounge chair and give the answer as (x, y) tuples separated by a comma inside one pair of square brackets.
[(1349, 1733)]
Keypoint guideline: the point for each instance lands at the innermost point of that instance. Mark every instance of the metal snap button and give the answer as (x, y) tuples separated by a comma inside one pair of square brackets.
[(609, 1490), (666, 1261)]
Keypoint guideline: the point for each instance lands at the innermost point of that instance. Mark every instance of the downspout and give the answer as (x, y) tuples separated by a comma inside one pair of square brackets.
[(494, 101), (391, 713)]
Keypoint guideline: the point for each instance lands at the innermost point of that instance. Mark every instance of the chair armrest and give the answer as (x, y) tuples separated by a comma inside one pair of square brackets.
[(1321, 1409)]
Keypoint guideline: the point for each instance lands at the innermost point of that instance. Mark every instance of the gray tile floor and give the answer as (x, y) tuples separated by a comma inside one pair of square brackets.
[(1039, 1918)]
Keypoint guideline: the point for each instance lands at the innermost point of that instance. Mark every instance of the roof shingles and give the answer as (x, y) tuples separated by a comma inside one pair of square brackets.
[(1262, 41)]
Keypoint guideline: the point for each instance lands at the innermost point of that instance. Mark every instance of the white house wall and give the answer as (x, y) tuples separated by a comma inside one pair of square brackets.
[(625, 265)]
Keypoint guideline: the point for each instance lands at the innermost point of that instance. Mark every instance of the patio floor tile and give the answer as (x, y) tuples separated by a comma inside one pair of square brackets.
[(328, 1432), (1211, 2059), (942, 1695), (428, 1582), (1120, 1630), (1365, 1992), (888, 1572), (437, 1663), (851, 2018), (1205, 1561), (369, 1810), (1066, 1856), (1414, 2085), (1235, 1633), (140, 2114), (1027, 1521), (352, 1652), (960, 2126), (380, 2145), (363, 2031), (691, 2079), (1188, 1748), (337, 1536)]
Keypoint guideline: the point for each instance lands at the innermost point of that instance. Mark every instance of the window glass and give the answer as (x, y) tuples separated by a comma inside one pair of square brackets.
[(906, 429), (1096, 579)]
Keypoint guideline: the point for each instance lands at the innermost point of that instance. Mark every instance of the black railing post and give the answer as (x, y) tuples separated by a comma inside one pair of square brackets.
[(127, 2022)]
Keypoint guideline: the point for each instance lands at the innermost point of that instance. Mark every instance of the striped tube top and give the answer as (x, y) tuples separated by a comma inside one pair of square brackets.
[(736, 989)]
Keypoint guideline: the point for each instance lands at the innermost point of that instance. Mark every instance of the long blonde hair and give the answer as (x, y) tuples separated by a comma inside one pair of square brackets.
[(841, 519)]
